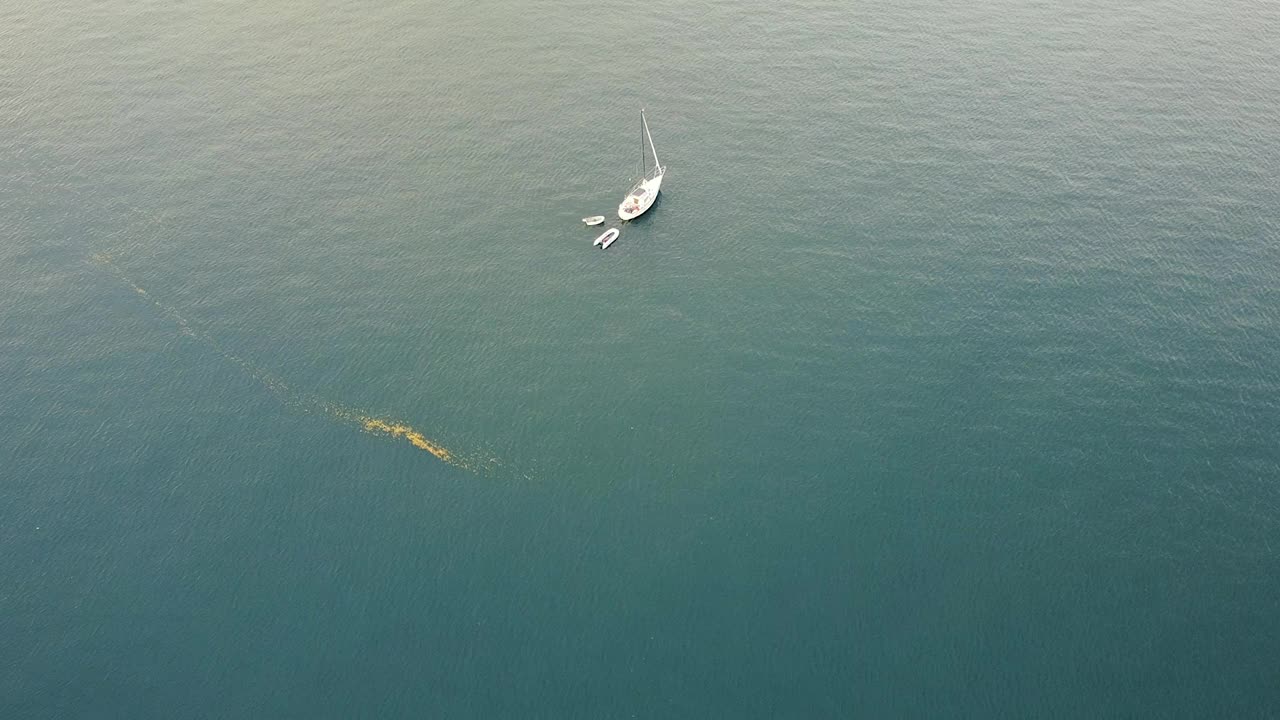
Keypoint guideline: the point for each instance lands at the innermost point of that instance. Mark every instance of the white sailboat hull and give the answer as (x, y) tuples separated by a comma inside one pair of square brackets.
[(641, 198)]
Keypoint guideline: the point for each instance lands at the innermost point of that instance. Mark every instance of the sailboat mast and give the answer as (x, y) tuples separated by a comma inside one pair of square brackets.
[(645, 123), (644, 171)]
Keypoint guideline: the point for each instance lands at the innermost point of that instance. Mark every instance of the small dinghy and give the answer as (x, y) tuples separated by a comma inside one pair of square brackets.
[(593, 220), (606, 238)]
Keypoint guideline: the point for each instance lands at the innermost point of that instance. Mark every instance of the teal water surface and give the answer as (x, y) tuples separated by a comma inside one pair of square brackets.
[(941, 381)]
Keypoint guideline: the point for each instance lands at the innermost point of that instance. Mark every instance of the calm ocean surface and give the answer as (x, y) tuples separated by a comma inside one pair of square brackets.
[(943, 380)]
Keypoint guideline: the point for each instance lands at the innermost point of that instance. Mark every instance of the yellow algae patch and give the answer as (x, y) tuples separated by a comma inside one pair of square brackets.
[(298, 400), (400, 430)]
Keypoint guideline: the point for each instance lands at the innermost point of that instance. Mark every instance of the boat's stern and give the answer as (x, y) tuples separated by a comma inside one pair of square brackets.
[(627, 211), (640, 199)]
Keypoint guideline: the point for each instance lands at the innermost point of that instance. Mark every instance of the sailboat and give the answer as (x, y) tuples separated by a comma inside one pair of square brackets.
[(641, 197)]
